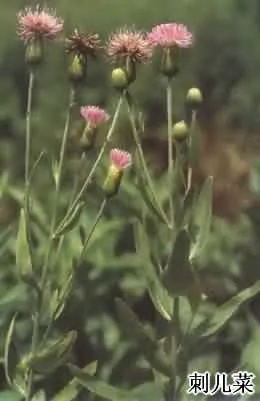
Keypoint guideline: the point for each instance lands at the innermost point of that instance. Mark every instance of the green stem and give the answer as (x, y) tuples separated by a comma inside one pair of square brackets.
[(143, 162), (97, 161), (170, 148), (35, 339), (35, 333), (58, 188), (28, 152), (97, 219)]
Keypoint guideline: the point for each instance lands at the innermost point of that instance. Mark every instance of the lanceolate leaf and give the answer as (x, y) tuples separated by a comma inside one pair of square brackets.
[(180, 278), (148, 199), (71, 391), (201, 219), (10, 356), (51, 357), (23, 257), (228, 309), (100, 388), (152, 350), (159, 295)]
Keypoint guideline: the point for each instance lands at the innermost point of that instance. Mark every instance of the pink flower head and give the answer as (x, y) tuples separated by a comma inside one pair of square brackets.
[(120, 158), (38, 23), (170, 35), (131, 44), (94, 115)]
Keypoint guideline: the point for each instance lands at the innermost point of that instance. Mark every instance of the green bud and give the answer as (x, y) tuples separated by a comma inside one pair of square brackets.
[(112, 182), (119, 79), (87, 140), (180, 131), (168, 64), (77, 68), (34, 52), (194, 98), (130, 70)]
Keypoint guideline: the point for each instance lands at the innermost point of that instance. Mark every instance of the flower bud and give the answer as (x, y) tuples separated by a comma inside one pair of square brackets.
[(180, 131), (34, 52), (194, 98), (130, 70), (77, 68), (112, 182), (168, 65), (119, 79), (87, 140)]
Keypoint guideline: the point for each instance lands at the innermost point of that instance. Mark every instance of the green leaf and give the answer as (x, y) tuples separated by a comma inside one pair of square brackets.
[(23, 257), (229, 308), (147, 196), (180, 278), (71, 391), (101, 388), (149, 392), (201, 220), (158, 294), (10, 355), (39, 396), (71, 221), (52, 356), (152, 351), (7, 395)]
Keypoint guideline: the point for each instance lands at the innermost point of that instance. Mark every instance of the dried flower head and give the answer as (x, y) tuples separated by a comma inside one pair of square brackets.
[(120, 158), (170, 35), (38, 23), (94, 115), (131, 44), (83, 44)]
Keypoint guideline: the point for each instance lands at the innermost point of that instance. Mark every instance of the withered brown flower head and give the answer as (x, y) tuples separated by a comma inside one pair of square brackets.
[(83, 44)]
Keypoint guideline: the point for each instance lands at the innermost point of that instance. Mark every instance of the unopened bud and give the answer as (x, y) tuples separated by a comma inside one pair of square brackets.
[(77, 68), (119, 79), (88, 137), (34, 52), (180, 131), (194, 98), (112, 182), (130, 70), (168, 64)]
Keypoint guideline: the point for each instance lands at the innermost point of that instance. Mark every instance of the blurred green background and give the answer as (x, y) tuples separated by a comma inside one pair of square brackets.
[(225, 64)]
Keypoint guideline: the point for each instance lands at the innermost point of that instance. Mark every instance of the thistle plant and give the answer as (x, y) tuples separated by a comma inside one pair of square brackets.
[(170, 264)]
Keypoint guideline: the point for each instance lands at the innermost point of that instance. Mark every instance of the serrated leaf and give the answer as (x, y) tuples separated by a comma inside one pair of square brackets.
[(71, 391), (10, 355), (52, 356), (202, 215), (23, 256), (101, 388), (229, 308), (152, 351)]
